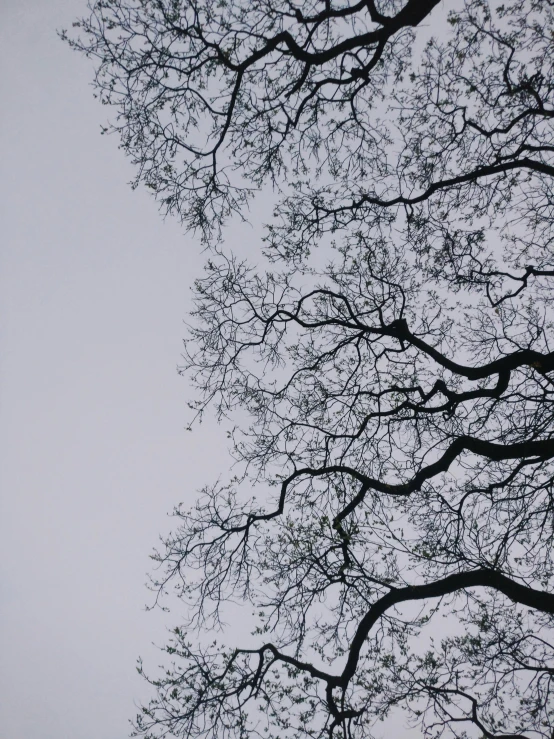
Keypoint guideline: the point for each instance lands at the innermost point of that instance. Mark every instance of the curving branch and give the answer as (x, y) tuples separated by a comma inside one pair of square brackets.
[(516, 592)]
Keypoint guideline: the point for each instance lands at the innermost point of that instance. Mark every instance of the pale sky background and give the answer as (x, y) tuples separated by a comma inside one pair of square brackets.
[(94, 287)]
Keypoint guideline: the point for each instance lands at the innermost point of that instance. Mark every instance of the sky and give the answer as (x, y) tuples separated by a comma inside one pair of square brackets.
[(94, 287)]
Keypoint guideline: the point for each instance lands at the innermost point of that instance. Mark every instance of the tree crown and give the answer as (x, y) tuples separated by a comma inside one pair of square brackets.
[(395, 363)]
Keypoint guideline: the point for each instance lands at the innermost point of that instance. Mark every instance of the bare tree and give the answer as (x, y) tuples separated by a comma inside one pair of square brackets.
[(401, 398)]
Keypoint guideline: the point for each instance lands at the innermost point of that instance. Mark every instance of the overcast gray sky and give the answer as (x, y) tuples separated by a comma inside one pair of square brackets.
[(93, 290), (94, 286)]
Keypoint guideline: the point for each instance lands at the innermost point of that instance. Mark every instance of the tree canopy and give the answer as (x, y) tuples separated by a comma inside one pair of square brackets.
[(391, 516)]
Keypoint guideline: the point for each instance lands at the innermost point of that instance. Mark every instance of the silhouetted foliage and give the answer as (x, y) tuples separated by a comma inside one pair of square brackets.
[(392, 517)]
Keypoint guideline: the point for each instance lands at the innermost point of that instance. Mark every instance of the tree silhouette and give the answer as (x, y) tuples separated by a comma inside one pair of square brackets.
[(400, 396)]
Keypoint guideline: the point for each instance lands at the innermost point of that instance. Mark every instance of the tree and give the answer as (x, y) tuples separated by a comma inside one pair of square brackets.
[(395, 362)]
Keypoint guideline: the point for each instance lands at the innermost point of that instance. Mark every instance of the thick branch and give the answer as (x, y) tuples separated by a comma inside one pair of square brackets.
[(518, 593), (411, 15), (539, 600), (450, 182)]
